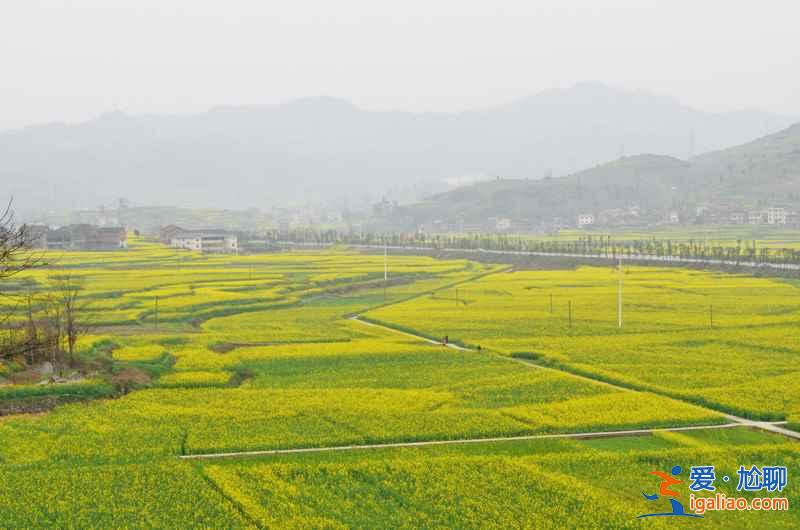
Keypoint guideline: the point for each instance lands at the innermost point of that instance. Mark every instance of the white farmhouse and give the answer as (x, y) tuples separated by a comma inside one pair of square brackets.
[(585, 219), (776, 216), (208, 241)]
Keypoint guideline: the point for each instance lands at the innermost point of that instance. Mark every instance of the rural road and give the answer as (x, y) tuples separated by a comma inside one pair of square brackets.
[(573, 436)]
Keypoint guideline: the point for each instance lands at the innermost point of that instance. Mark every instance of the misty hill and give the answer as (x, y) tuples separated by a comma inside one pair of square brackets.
[(758, 174), (766, 170), (323, 148)]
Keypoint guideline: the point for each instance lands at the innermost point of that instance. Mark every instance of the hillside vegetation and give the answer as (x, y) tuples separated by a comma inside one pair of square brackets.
[(761, 173)]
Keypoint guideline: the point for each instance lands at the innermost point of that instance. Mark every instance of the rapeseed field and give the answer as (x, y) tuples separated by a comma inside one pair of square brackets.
[(255, 353)]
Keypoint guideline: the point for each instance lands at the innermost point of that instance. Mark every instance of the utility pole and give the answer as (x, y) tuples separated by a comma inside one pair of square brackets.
[(619, 296)]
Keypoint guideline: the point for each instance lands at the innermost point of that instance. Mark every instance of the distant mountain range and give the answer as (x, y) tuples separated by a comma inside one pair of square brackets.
[(757, 174), (323, 148)]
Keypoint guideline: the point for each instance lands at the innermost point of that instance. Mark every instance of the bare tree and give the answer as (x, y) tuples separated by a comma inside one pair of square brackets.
[(31, 344), (51, 339), (68, 310), (16, 254)]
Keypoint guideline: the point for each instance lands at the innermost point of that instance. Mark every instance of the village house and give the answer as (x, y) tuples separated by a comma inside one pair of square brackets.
[(167, 233), (36, 236), (211, 241), (87, 237), (109, 238)]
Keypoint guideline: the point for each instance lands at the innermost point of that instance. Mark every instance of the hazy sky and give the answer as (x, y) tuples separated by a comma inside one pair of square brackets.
[(74, 59)]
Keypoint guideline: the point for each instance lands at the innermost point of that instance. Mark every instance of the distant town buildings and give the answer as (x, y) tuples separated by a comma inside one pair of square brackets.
[(707, 213)]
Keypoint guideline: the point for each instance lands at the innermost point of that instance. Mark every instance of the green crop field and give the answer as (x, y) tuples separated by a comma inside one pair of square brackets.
[(262, 352)]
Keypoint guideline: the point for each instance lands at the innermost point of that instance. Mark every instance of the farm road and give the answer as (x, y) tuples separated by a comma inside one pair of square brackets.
[(574, 436)]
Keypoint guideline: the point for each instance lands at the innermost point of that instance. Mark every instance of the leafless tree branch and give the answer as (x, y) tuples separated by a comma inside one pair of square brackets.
[(16, 245)]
